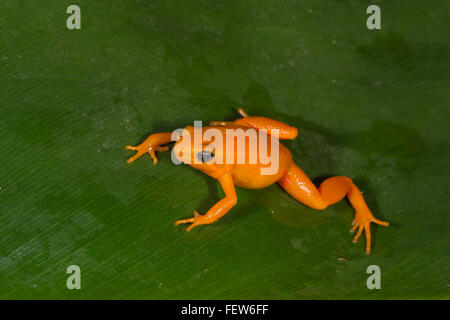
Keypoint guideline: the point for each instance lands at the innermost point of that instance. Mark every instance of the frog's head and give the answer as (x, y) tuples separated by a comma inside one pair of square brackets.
[(198, 149)]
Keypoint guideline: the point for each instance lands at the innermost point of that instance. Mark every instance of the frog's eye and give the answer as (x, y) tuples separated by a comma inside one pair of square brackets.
[(205, 156)]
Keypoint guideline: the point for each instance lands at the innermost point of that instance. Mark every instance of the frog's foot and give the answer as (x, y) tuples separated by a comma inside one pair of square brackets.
[(150, 145), (363, 218), (144, 148), (197, 220)]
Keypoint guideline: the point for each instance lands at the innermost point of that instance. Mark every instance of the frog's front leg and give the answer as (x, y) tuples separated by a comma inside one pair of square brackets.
[(219, 209), (150, 145)]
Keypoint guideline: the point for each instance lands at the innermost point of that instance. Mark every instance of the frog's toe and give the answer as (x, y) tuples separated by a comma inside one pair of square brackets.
[(136, 156), (197, 220), (190, 220), (139, 152), (362, 227), (184, 221)]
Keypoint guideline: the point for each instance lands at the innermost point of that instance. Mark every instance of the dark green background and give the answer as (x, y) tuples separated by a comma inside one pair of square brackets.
[(370, 104)]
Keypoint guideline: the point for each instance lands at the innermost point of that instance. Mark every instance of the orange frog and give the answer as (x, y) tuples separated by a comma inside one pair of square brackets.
[(249, 174)]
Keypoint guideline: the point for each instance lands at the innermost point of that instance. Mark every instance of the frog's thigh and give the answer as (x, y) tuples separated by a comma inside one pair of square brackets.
[(331, 191), (298, 185)]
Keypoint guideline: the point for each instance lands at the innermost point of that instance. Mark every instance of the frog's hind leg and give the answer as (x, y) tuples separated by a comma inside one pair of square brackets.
[(224, 123), (331, 191), (270, 126)]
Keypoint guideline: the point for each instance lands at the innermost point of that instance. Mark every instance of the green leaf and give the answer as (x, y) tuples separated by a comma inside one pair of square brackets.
[(369, 104)]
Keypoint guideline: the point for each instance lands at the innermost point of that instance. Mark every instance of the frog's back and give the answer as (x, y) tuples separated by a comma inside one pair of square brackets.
[(256, 167)]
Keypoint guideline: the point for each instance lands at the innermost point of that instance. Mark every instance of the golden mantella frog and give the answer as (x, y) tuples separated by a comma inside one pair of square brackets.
[(248, 175)]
